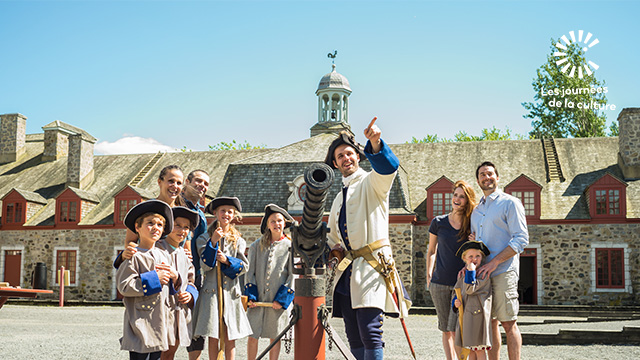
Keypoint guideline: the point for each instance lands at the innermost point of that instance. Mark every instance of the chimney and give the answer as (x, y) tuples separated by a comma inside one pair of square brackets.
[(56, 140), (80, 160), (12, 137), (629, 143)]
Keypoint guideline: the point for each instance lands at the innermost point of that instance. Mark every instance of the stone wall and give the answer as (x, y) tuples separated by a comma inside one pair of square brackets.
[(565, 265), (32, 209), (94, 258), (12, 137), (629, 142), (567, 262), (79, 162), (56, 145)]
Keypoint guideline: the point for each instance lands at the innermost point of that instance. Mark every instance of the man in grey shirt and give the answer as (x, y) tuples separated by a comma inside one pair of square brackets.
[(499, 222)]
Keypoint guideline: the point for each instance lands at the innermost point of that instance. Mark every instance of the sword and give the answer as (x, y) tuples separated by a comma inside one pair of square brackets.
[(221, 329), (391, 274)]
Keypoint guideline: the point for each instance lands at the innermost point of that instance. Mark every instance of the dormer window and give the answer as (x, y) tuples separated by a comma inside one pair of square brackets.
[(607, 197), (14, 213), (528, 192), (439, 195), (68, 211), (72, 205), (18, 206), (127, 198)]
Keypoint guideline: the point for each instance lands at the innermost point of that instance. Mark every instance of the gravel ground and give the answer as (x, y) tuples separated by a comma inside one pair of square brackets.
[(30, 332)]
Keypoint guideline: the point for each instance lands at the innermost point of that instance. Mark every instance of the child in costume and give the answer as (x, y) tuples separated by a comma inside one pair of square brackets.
[(183, 293), (144, 281), (222, 247), (269, 280), (473, 333)]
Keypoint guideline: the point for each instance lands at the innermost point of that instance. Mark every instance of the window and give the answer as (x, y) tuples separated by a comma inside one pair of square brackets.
[(14, 213), (68, 211), (528, 201), (124, 207), (607, 202), (66, 258), (610, 268), (441, 203)]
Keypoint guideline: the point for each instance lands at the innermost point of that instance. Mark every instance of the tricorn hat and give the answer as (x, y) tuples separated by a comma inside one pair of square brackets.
[(223, 200), (472, 244), (271, 209), (343, 138), (192, 216), (150, 206)]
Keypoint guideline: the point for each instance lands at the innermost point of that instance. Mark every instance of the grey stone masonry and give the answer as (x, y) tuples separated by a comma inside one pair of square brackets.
[(629, 142), (12, 137), (80, 161), (56, 145)]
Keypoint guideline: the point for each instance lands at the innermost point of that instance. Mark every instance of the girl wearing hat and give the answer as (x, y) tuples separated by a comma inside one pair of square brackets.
[(474, 331), (221, 247), (269, 280)]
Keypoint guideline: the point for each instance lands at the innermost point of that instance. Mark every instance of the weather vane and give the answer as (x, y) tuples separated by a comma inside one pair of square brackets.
[(333, 56)]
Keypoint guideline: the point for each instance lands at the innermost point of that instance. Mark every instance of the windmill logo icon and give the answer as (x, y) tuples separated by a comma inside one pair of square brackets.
[(563, 60)]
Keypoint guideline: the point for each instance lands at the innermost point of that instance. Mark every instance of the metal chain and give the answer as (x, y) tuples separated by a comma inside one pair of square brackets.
[(287, 341), (323, 316), (333, 265)]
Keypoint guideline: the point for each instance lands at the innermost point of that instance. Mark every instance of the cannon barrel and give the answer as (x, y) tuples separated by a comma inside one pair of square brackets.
[(318, 178)]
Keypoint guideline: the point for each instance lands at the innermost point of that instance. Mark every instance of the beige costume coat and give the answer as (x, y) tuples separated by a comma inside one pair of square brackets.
[(476, 320), (269, 269), (367, 221), (179, 315), (145, 327), (206, 320)]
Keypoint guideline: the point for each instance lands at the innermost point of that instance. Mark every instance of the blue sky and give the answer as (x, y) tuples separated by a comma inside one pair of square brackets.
[(194, 73)]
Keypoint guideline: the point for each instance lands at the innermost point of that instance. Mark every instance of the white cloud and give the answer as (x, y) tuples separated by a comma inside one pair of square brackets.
[(131, 145)]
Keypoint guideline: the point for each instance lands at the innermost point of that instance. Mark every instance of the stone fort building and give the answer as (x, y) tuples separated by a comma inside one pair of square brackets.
[(62, 205)]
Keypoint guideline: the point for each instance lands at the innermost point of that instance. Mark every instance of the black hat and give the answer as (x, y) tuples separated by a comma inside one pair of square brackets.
[(150, 206), (271, 209), (473, 245), (223, 200), (192, 216), (343, 138)]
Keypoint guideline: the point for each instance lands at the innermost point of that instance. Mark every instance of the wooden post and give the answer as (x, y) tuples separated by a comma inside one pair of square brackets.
[(61, 282)]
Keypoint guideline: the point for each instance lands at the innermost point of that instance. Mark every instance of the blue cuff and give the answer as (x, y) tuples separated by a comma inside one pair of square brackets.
[(470, 277), (193, 291), (251, 291), (384, 162), (150, 283), (172, 290), (234, 268), (118, 261), (284, 296), (209, 254), (453, 302)]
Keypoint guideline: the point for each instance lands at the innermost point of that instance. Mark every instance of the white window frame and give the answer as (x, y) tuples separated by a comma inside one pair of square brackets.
[(627, 275), (56, 267), (2, 261)]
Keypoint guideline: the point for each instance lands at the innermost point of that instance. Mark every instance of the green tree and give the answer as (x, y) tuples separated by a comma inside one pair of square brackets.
[(486, 134), (233, 145), (551, 113), (614, 130)]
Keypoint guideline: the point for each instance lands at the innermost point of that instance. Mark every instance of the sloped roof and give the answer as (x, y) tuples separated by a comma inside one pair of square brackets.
[(63, 126), (31, 196)]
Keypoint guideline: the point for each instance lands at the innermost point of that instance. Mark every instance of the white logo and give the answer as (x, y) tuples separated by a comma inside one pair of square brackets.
[(562, 56)]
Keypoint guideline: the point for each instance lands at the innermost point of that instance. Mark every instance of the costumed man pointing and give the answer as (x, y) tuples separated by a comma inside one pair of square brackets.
[(359, 230)]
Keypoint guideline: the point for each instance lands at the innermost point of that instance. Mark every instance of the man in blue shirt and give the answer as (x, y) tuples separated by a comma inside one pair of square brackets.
[(499, 222), (193, 192)]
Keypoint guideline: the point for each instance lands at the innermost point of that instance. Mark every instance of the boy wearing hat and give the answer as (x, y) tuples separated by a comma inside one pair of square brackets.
[(182, 293), (474, 331), (143, 281), (269, 280)]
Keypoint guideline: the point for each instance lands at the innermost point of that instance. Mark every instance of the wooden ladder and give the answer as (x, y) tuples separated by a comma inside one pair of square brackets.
[(552, 162), (145, 170)]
